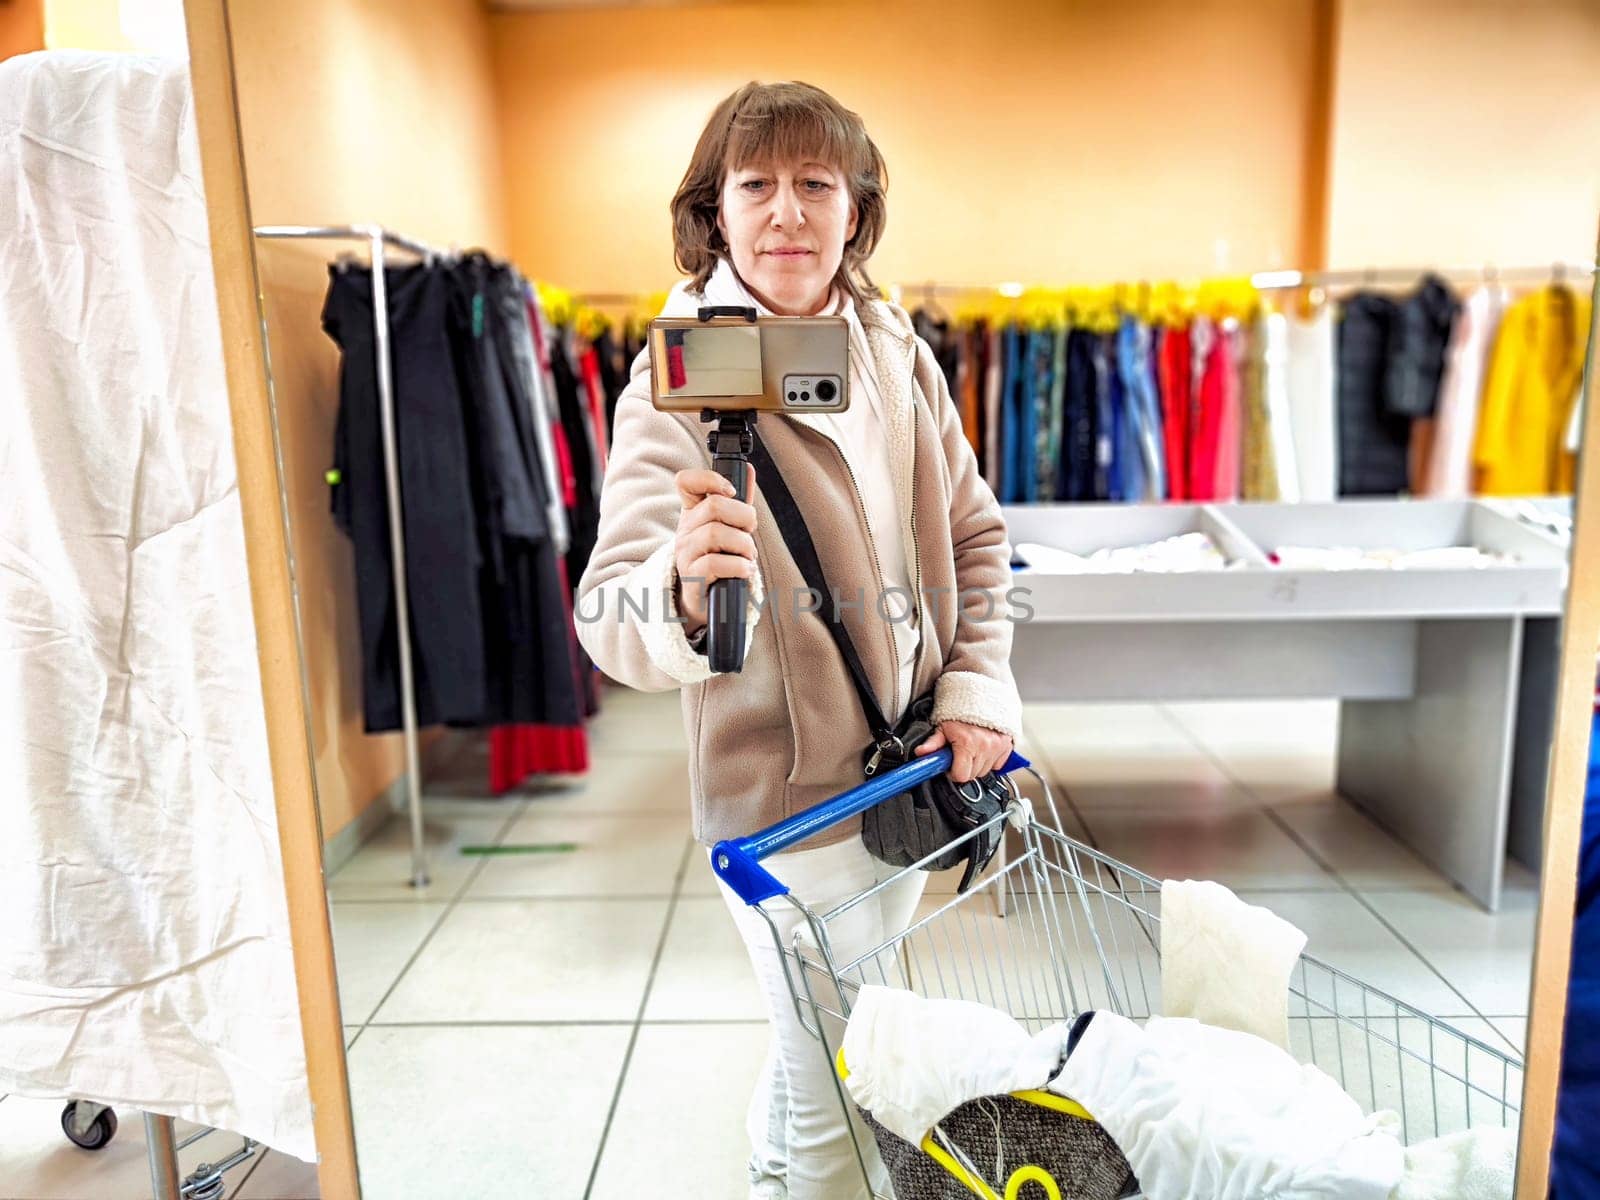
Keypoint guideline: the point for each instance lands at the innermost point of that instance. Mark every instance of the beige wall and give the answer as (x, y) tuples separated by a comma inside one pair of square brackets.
[(1038, 141), (352, 111), (1466, 132), (1056, 142), (21, 26)]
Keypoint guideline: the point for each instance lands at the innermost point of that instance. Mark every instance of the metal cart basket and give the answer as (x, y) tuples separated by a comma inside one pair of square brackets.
[(1059, 929)]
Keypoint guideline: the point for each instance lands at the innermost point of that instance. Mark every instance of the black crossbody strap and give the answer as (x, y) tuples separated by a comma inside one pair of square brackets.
[(798, 538)]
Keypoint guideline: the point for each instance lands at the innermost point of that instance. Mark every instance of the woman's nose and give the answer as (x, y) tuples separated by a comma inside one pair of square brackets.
[(787, 212)]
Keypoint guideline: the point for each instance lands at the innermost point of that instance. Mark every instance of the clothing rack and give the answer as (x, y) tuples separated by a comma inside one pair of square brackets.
[(1267, 281), (1556, 272), (379, 240)]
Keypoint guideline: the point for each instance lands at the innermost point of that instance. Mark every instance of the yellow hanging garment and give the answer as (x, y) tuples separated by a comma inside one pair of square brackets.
[(1533, 383)]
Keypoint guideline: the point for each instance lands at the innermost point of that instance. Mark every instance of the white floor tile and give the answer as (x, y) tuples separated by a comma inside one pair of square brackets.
[(1488, 957), (1515, 1031), (381, 869), (1343, 934), (280, 1177), (637, 721), (531, 960), (1242, 849), (679, 1125), (620, 855), (446, 1113), (1127, 727), (1282, 751), (623, 781), (37, 1162), (705, 972), (372, 942), (698, 877), (1362, 854)]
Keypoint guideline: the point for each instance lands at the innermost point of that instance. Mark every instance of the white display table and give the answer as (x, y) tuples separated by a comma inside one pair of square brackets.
[(1430, 663)]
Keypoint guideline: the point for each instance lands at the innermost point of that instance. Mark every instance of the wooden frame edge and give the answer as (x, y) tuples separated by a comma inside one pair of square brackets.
[(266, 547), (1563, 813)]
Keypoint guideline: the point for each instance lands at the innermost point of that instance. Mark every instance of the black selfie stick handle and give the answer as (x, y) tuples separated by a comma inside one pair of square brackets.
[(730, 444)]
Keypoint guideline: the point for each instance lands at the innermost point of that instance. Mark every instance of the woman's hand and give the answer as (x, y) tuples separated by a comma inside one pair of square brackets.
[(975, 750), (715, 540)]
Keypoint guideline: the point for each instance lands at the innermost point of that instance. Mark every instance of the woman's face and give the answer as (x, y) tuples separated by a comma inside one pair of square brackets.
[(786, 227)]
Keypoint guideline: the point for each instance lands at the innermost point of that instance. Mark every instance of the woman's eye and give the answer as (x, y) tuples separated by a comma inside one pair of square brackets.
[(753, 185), (817, 185)]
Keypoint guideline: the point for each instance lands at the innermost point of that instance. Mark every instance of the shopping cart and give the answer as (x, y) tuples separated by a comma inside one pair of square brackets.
[(1057, 929)]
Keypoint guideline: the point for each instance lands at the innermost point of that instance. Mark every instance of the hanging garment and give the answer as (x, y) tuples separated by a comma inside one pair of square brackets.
[(529, 374), (1373, 439), (969, 376), (1313, 412), (443, 549), (1448, 472), (993, 403), (1144, 440), (1043, 466), (527, 624), (585, 516), (1205, 395), (1076, 478), (1229, 357), (1012, 400), (614, 365), (1051, 463), (145, 957), (1174, 375), (1527, 402), (1107, 430), (1417, 344), (517, 751), (1270, 468), (594, 392)]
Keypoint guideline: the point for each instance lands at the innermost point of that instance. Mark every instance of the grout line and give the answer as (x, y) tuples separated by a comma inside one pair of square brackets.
[(1289, 831), (633, 1038), (450, 907), (255, 1166)]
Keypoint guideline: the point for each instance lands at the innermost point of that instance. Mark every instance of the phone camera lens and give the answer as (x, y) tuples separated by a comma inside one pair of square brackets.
[(826, 390), (805, 395), (791, 397)]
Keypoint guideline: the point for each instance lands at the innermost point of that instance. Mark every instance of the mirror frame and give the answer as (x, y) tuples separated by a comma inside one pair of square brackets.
[(1563, 810), (271, 592), (299, 826)]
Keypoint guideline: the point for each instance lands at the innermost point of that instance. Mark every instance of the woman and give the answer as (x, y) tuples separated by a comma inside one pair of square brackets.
[(780, 208)]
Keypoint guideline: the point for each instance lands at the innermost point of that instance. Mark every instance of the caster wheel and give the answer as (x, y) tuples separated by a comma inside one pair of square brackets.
[(99, 1134)]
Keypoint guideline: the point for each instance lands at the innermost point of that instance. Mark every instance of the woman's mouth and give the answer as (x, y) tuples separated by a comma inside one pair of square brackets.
[(789, 252)]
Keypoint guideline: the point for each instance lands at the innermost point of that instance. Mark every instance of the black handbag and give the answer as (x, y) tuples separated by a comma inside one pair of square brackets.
[(907, 828)]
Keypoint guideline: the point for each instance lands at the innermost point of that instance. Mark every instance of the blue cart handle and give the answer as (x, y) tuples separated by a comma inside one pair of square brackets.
[(738, 862)]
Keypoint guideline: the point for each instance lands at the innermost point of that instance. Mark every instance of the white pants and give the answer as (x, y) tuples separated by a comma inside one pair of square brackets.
[(798, 1130)]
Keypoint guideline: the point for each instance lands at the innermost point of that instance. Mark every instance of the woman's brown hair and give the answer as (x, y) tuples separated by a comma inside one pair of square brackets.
[(778, 123)]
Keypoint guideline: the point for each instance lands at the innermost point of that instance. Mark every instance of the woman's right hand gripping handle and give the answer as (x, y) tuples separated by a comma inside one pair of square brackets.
[(715, 539)]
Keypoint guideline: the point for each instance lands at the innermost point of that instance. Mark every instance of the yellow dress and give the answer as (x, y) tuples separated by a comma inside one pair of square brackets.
[(1533, 383)]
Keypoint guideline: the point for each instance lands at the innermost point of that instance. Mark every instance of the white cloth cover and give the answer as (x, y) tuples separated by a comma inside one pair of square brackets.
[(1210, 1114), (1226, 962), (912, 1060), (144, 943), (1480, 1164)]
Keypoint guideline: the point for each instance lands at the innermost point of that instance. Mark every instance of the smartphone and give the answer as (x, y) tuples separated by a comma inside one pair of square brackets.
[(731, 363)]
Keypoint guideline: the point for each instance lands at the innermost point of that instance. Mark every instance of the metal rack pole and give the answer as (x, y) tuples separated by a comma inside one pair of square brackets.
[(377, 239), (162, 1146)]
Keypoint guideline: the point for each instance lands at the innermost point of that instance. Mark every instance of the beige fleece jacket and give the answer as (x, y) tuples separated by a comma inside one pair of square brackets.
[(787, 732)]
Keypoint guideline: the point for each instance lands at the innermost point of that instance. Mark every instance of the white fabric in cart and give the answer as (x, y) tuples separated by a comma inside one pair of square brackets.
[(912, 1060), (144, 943), (1226, 962), (1211, 1114)]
